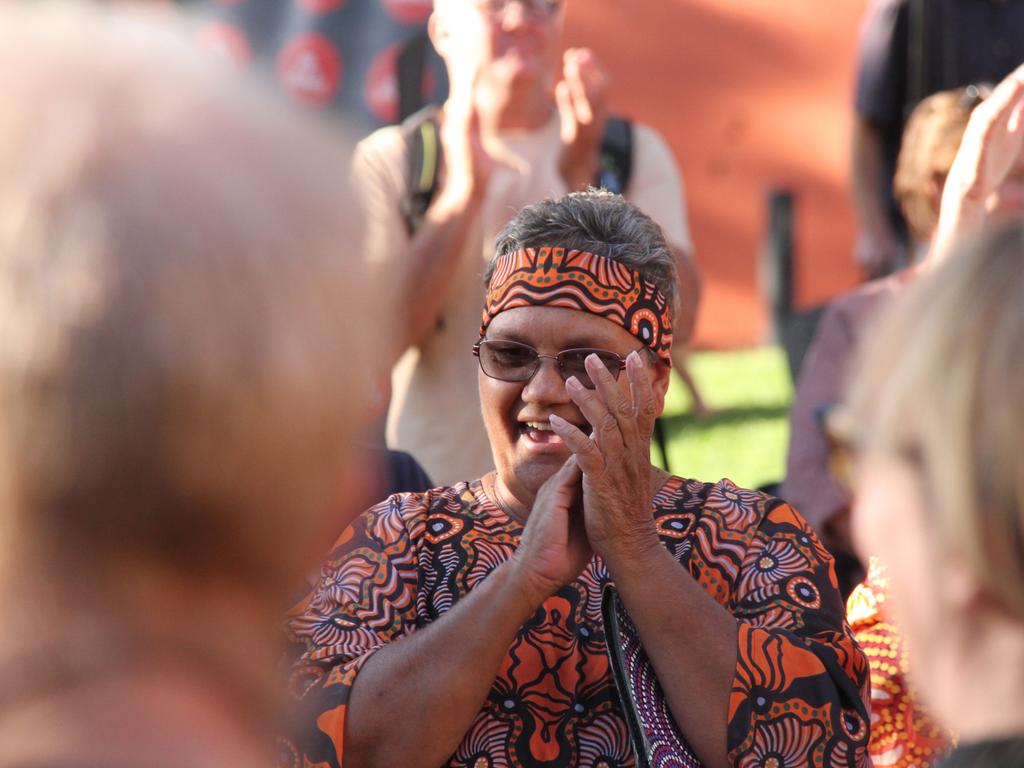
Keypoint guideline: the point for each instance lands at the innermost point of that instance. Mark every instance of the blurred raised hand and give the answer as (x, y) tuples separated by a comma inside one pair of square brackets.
[(580, 96), (989, 152)]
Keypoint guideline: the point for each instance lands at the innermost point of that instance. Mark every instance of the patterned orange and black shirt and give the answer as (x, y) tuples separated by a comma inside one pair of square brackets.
[(801, 685)]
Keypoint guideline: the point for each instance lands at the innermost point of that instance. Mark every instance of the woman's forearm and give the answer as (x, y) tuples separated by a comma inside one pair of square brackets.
[(690, 640), (414, 700)]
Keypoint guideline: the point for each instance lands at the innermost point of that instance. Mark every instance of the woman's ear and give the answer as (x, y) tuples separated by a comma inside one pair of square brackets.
[(960, 586), (660, 375)]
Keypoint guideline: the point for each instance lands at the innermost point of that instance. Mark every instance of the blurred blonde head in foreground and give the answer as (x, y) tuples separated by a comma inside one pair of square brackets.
[(177, 390), (939, 414)]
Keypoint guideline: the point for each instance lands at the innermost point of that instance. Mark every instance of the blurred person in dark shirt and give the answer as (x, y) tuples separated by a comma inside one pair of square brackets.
[(910, 49), (177, 406)]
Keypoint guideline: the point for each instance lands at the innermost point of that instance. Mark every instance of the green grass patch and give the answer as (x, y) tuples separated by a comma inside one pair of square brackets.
[(745, 439)]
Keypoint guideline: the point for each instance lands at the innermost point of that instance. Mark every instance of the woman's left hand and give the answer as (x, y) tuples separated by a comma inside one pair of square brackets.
[(615, 460)]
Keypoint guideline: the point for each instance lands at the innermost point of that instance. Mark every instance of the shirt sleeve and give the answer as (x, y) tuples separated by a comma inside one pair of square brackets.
[(882, 63), (656, 187), (801, 688), (809, 485), (363, 599)]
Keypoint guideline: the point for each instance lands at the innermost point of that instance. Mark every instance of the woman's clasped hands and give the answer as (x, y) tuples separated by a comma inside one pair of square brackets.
[(599, 502), (615, 459)]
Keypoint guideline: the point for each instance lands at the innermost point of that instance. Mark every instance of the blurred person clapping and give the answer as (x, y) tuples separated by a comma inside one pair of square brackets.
[(524, 121)]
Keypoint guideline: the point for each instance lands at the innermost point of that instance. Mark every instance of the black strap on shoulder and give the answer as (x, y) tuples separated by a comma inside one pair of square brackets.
[(423, 161), (423, 155), (615, 164), (411, 65)]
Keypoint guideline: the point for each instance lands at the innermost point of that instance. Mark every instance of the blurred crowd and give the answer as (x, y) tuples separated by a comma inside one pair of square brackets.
[(325, 427)]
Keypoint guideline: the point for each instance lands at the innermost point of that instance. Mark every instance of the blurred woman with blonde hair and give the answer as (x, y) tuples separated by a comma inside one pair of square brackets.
[(936, 421)]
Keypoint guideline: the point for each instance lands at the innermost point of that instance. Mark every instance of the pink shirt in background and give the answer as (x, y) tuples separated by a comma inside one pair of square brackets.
[(809, 485)]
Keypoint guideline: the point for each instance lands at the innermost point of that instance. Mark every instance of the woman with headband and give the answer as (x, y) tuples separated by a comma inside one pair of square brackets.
[(577, 606)]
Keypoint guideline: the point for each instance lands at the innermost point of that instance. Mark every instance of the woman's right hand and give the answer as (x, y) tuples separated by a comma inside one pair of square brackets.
[(553, 549)]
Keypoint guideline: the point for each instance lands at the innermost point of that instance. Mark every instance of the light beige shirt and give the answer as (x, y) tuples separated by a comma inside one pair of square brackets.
[(435, 405)]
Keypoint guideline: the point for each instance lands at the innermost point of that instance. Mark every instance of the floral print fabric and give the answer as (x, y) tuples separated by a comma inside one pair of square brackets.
[(800, 691), (903, 735)]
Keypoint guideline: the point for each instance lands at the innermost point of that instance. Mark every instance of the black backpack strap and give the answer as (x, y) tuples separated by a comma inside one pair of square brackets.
[(423, 153), (423, 160), (411, 64), (615, 163)]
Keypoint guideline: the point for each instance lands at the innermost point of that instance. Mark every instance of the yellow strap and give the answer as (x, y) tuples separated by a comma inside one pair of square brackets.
[(428, 130)]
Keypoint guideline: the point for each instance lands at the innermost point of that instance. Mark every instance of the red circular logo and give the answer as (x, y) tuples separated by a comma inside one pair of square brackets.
[(310, 69), (409, 11), (321, 6), (226, 40), (382, 84)]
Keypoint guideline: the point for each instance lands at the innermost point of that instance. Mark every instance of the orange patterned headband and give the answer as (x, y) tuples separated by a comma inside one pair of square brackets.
[(586, 282)]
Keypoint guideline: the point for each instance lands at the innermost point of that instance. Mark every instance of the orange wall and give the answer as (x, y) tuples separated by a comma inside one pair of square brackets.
[(749, 94)]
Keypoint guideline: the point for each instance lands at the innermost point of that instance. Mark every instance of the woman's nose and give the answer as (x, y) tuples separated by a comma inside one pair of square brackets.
[(546, 385)]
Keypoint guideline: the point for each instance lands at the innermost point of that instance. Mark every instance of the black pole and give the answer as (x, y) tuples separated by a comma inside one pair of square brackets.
[(780, 258)]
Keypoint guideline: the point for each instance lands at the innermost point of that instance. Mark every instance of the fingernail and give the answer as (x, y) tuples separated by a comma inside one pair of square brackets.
[(557, 421), (573, 383)]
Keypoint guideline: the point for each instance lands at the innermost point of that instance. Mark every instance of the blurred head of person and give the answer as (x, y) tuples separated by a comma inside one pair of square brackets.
[(930, 141), (509, 49), (177, 397), (937, 404)]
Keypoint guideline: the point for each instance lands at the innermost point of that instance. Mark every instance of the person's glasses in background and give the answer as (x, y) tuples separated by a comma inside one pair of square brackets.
[(541, 9)]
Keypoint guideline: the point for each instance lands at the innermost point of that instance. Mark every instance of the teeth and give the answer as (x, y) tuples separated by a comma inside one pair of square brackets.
[(542, 426)]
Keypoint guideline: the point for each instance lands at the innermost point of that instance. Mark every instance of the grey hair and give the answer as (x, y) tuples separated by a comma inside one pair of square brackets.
[(597, 221)]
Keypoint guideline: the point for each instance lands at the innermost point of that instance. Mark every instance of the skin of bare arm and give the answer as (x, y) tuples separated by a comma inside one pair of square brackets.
[(435, 680), (434, 253), (689, 638), (580, 98), (439, 243)]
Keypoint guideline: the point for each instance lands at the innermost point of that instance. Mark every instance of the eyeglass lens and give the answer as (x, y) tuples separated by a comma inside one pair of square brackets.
[(535, 7), (512, 361)]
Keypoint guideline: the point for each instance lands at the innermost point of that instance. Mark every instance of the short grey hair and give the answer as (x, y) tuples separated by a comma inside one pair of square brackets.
[(599, 222)]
